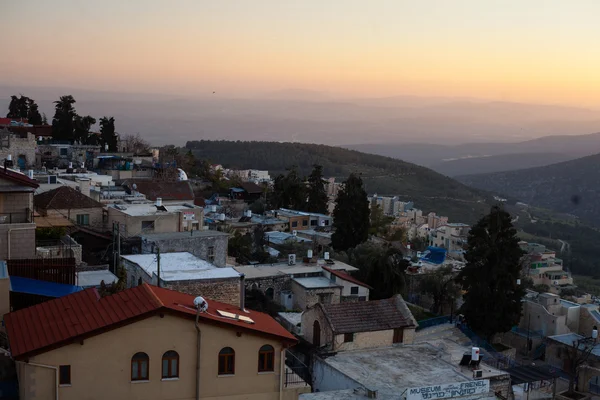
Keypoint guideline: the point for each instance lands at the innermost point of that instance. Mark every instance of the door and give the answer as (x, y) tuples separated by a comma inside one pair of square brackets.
[(317, 334)]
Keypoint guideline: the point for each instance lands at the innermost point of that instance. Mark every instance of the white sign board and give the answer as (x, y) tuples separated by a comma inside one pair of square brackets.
[(189, 216), (448, 390)]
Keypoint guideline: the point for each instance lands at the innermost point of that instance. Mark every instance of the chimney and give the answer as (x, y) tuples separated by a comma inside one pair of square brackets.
[(84, 186), (243, 292), (158, 201)]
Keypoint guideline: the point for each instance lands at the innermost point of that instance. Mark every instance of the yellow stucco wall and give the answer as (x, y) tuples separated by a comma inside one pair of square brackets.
[(101, 366)]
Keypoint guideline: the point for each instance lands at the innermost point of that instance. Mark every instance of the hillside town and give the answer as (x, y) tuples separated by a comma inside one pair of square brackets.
[(141, 272)]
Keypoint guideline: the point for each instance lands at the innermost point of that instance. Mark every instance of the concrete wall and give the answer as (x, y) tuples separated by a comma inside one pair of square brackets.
[(537, 318), (347, 286), (325, 378), (19, 204), (163, 223), (305, 298), (101, 365), (197, 245), (364, 340), (223, 290), (20, 238), (95, 215)]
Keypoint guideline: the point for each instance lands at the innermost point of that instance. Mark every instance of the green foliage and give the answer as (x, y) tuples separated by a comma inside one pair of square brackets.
[(419, 243), (240, 247), (108, 134), (441, 285), (541, 288), (493, 298), (81, 133), (63, 123), (258, 207), (429, 190), (24, 108), (119, 285), (317, 194), (379, 223), (382, 268), (52, 233), (288, 191), (351, 215)]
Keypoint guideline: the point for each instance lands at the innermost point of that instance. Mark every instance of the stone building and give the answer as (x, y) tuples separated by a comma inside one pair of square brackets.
[(185, 273), (71, 204), (311, 290), (21, 147), (210, 246), (60, 155), (362, 325)]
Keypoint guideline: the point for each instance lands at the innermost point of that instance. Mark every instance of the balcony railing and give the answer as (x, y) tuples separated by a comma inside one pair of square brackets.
[(296, 372), (25, 216)]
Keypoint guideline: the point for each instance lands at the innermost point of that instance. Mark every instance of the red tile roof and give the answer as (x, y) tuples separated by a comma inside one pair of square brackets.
[(345, 276), (17, 177), (64, 198), (62, 321)]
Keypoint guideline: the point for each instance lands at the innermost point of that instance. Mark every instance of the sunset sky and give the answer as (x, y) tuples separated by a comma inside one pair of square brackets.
[(515, 50)]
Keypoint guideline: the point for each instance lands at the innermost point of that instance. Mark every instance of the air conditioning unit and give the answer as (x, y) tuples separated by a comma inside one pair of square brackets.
[(478, 373), (295, 232), (291, 259), (52, 179)]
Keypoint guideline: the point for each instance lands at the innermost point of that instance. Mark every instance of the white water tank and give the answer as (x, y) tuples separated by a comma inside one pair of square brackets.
[(474, 353), (326, 255), (221, 217), (158, 201), (213, 208), (309, 254), (30, 174)]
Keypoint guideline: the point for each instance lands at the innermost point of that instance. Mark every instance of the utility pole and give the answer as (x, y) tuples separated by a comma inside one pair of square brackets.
[(114, 249), (118, 247), (158, 266)]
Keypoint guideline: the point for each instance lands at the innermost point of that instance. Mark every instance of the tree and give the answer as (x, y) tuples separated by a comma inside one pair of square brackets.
[(82, 129), (576, 355), (288, 191), (317, 194), (115, 287), (442, 287), (378, 221), (44, 119), (108, 134), (14, 108), (351, 215), (23, 107), (136, 144), (63, 123), (493, 297), (240, 247), (33, 114)]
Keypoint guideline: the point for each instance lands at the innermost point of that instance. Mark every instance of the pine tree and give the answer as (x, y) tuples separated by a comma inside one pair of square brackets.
[(107, 131), (63, 123), (351, 215), (317, 195), (33, 113), (493, 298), (289, 191)]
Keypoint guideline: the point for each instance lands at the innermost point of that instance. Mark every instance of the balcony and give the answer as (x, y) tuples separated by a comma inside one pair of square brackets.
[(23, 217)]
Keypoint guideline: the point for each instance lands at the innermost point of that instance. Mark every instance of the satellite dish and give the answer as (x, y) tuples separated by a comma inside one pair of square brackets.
[(134, 186), (200, 304)]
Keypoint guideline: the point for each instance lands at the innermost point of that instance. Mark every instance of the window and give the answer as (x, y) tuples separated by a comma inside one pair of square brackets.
[(211, 253), (170, 365), (266, 359), (348, 337), (139, 367), (304, 222), (354, 290), (294, 224), (63, 151), (226, 361), (398, 335), (147, 226), (83, 219), (64, 375), (326, 222), (332, 278), (313, 222)]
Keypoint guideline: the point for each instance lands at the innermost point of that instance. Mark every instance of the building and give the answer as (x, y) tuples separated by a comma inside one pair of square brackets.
[(94, 278), (17, 229), (302, 220), (140, 219), (546, 314), (247, 191), (169, 192), (72, 204), (452, 237), (362, 325), (544, 268), (434, 221), (209, 246), (184, 272), (20, 146), (145, 343), (63, 155), (391, 206), (352, 288), (310, 290)]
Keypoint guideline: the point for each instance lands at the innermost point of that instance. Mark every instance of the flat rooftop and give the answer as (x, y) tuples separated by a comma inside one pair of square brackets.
[(180, 266), (94, 278), (183, 235), (140, 210), (317, 282), (283, 268), (392, 370)]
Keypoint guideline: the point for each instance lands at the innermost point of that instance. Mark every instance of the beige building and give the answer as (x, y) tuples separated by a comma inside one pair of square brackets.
[(148, 343), (17, 229), (139, 219), (362, 325), (352, 288), (71, 204)]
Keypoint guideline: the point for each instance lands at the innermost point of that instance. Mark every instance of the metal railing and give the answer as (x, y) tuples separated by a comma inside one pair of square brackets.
[(296, 372), (427, 323)]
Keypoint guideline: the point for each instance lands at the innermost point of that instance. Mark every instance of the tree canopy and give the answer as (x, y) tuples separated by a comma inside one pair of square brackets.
[(493, 265), (317, 194), (351, 215), (108, 134), (63, 123), (23, 107), (288, 191)]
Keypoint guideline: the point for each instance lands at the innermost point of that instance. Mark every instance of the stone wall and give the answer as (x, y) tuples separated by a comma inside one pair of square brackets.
[(308, 319), (197, 245), (222, 290), (277, 283), (305, 298), (364, 340), (17, 146)]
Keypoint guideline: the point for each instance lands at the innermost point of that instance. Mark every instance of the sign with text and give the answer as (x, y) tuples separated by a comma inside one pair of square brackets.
[(449, 390)]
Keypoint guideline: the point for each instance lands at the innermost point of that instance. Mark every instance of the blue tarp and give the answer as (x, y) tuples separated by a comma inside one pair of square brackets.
[(41, 288), (434, 255)]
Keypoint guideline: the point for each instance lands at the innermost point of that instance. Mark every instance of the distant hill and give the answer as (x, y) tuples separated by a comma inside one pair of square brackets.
[(536, 152), (571, 187), (502, 162), (429, 190)]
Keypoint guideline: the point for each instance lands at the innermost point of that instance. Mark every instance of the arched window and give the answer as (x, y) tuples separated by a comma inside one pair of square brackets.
[(226, 361), (170, 365), (139, 367), (270, 292), (266, 358)]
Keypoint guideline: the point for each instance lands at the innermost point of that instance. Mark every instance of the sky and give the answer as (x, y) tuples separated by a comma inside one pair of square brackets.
[(512, 50)]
